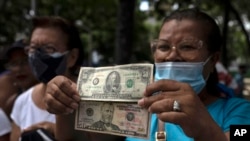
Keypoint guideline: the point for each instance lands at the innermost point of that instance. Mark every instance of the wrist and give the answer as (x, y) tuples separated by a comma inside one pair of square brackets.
[(211, 132)]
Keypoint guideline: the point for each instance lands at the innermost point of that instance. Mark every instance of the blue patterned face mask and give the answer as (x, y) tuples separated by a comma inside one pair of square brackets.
[(188, 72)]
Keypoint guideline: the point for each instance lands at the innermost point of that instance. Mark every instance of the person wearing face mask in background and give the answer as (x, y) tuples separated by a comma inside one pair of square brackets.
[(184, 99), (55, 49), (16, 78), (7, 90), (18, 66)]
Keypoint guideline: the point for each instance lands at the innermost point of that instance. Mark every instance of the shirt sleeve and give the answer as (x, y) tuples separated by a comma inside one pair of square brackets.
[(17, 111), (5, 126), (237, 112)]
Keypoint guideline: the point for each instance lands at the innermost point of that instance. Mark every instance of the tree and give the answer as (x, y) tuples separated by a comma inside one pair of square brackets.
[(125, 26), (103, 30)]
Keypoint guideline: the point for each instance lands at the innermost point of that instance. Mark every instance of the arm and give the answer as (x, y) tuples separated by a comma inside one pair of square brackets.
[(64, 129), (15, 133), (58, 98), (7, 88), (49, 126), (213, 132), (5, 137)]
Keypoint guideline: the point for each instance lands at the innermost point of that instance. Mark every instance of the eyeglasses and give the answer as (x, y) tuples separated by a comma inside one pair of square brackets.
[(46, 48), (14, 64), (185, 48)]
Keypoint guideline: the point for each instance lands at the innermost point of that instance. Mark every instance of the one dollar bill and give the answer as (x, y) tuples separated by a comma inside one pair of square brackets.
[(123, 119), (116, 83)]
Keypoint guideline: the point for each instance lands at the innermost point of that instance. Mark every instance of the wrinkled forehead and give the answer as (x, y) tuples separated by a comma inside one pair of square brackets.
[(49, 36), (185, 29)]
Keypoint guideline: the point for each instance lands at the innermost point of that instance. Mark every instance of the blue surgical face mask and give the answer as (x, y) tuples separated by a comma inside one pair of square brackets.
[(188, 72), (47, 66)]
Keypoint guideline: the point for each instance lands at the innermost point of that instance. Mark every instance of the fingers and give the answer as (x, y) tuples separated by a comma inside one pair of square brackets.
[(162, 85), (68, 88), (61, 96), (159, 98), (49, 126), (164, 89), (57, 107), (33, 127), (63, 93), (172, 117), (160, 106)]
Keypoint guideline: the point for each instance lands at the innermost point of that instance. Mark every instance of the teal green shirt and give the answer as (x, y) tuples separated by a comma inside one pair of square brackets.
[(225, 112)]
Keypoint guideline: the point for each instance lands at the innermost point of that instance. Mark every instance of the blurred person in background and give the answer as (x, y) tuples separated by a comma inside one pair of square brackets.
[(19, 68), (6, 90), (16, 78), (227, 82), (239, 77), (17, 63), (54, 49)]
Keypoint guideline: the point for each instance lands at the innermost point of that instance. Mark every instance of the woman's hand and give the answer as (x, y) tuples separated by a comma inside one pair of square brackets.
[(61, 96), (49, 126), (193, 117)]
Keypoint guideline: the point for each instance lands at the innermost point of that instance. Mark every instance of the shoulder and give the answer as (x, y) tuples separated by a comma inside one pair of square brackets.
[(23, 98), (230, 107), (25, 95), (233, 103), (237, 103), (236, 110), (230, 111)]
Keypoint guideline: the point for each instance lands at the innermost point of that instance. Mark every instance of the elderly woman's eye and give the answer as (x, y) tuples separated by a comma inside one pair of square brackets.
[(49, 49), (187, 48), (163, 47)]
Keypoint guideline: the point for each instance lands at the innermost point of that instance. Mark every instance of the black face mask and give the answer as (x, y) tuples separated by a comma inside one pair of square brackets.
[(45, 67)]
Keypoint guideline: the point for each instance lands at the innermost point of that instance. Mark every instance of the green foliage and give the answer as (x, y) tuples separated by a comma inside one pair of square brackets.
[(97, 23)]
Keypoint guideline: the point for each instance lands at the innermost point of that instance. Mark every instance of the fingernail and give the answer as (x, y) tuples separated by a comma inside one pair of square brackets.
[(141, 102), (74, 105), (76, 97), (69, 111)]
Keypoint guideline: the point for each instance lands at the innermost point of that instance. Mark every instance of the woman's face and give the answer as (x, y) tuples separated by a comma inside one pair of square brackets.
[(181, 41), (51, 37), (184, 41), (20, 68)]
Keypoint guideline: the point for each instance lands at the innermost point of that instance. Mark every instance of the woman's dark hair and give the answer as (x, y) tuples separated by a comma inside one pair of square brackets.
[(213, 41), (70, 31)]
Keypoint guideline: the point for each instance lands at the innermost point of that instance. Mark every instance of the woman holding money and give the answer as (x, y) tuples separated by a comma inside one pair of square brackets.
[(55, 49), (184, 100)]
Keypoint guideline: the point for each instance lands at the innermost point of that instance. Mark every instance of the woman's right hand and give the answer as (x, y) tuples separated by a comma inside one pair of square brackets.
[(61, 96)]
